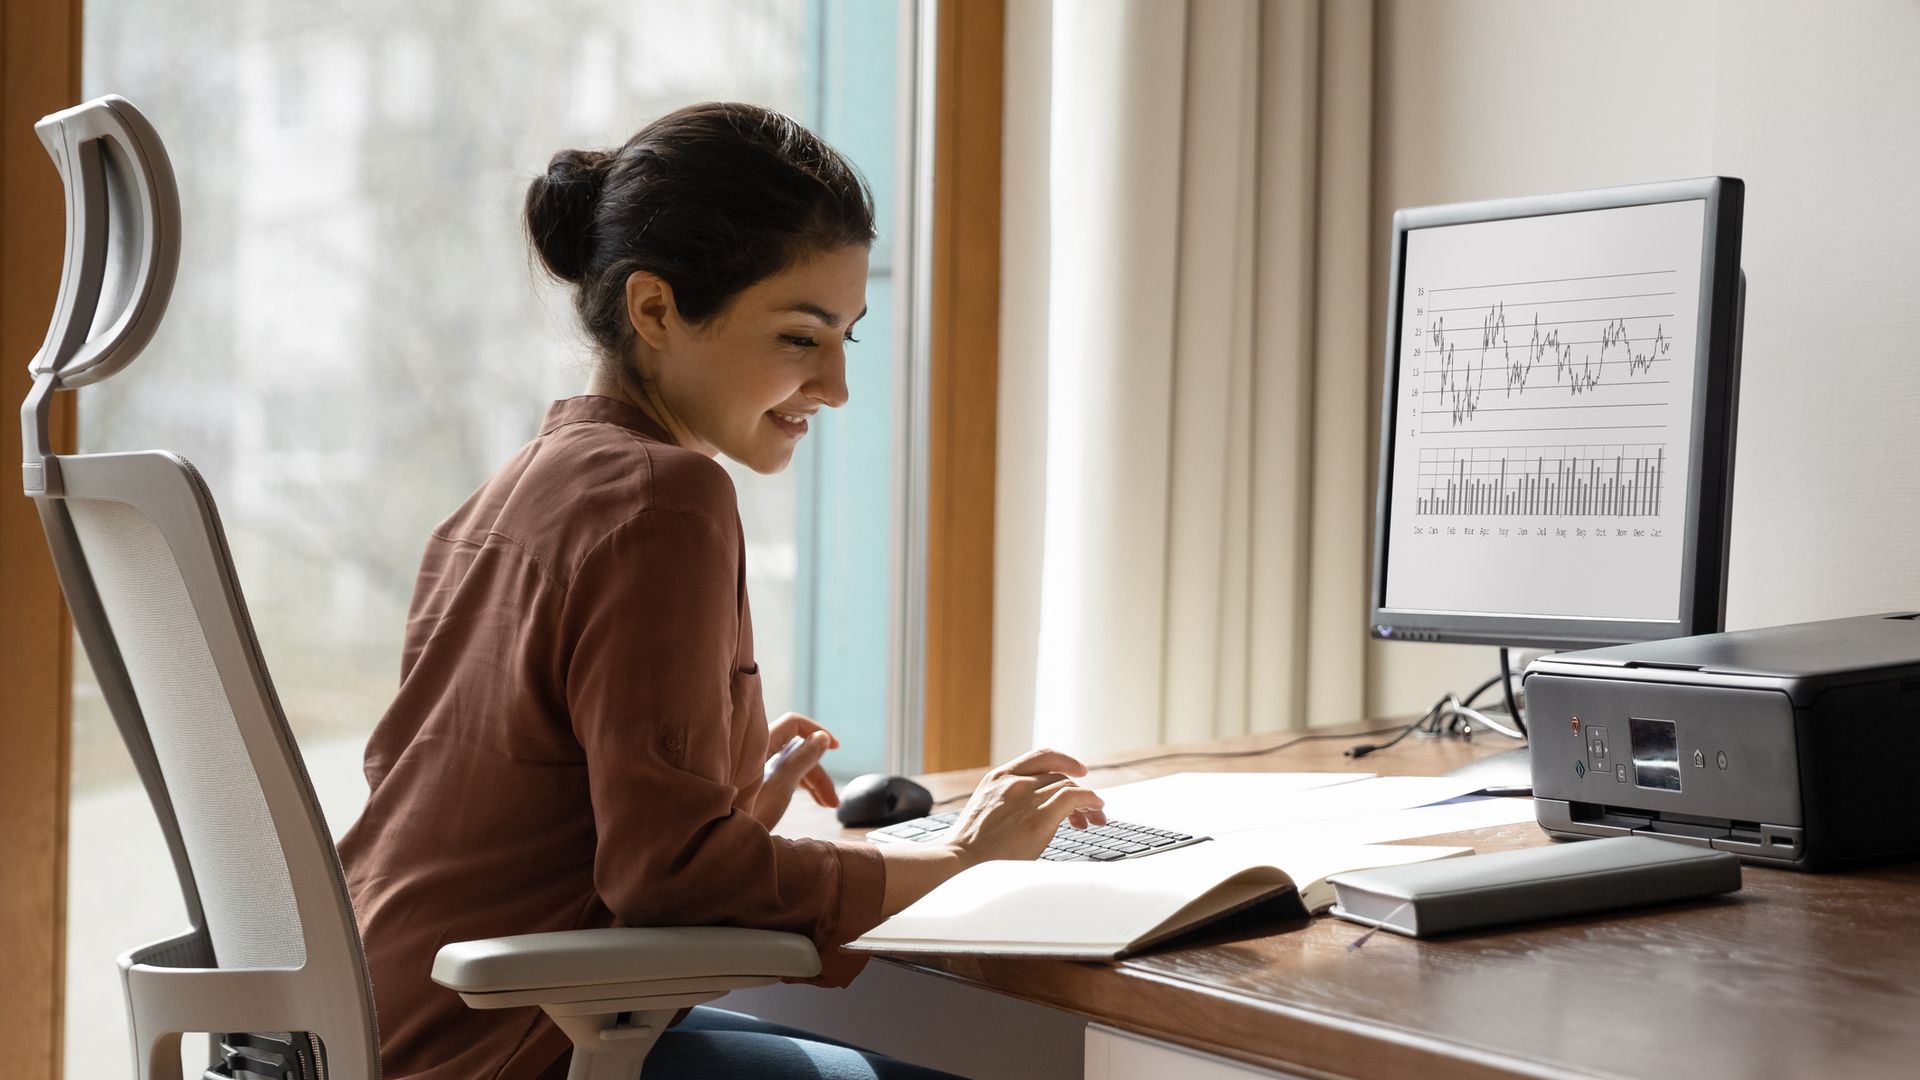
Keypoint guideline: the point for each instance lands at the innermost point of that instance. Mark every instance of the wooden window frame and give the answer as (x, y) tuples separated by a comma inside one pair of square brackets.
[(39, 74), (964, 324)]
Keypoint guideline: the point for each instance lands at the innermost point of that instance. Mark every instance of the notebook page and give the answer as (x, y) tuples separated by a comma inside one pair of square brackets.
[(1094, 907), (1310, 865)]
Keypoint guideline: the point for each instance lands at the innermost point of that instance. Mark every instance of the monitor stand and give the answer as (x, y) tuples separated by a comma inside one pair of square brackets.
[(1507, 773)]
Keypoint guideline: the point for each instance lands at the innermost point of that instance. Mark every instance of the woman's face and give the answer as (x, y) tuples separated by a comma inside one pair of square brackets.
[(747, 382)]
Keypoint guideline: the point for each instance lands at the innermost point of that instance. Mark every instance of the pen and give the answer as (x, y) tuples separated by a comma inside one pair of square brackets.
[(774, 762)]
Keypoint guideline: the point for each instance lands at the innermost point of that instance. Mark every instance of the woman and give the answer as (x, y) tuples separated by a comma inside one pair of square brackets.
[(578, 740)]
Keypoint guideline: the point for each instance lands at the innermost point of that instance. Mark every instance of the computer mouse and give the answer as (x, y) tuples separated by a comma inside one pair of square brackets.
[(881, 799)]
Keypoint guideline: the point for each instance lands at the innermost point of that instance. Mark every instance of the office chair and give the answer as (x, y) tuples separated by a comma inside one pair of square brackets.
[(272, 962)]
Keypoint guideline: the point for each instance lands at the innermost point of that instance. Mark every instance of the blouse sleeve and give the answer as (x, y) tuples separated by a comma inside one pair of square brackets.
[(652, 621)]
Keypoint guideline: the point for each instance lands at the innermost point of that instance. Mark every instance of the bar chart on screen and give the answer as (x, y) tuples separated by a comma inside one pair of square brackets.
[(1619, 480)]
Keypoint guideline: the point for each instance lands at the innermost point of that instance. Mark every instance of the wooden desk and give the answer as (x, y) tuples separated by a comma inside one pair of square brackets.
[(1796, 975)]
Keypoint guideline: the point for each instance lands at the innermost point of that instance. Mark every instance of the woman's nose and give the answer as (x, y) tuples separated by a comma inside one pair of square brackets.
[(829, 386)]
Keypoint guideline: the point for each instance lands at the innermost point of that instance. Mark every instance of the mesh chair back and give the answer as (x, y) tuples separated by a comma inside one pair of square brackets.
[(231, 844), (143, 562)]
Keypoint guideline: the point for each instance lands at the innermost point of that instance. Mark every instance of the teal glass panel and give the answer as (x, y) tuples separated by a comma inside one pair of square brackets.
[(845, 534)]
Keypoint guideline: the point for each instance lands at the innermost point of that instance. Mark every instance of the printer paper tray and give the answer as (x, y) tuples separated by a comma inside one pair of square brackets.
[(1777, 845)]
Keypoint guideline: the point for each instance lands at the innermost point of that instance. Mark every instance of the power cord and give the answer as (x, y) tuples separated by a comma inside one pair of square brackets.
[(1506, 688), (1455, 715), (1256, 752)]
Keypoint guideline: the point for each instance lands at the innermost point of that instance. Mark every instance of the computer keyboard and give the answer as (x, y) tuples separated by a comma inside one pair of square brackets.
[(1096, 843)]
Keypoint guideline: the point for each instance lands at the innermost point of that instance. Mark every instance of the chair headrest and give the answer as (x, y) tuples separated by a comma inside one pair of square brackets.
[(123, 239)]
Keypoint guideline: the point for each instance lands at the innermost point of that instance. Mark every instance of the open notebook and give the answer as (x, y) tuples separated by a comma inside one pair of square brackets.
[(1103, 911)]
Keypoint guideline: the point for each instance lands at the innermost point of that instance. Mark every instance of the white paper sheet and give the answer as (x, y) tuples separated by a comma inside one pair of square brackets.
[(1454, 815), (1197, 802), (1221, 804)]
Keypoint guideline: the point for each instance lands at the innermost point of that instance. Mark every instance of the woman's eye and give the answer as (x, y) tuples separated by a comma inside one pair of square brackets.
[(805, 342)]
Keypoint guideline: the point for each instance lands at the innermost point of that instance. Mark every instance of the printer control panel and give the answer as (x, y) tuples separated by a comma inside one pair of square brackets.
[(1711, 766)]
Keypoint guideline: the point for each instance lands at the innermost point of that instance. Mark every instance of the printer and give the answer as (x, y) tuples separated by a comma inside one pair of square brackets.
[(1795, 746)]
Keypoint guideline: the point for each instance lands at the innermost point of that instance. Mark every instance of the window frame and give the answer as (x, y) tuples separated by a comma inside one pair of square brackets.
[(40, 56), (963, 50)]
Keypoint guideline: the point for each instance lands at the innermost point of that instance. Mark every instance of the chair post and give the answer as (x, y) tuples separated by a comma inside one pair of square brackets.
[(609, 1045)]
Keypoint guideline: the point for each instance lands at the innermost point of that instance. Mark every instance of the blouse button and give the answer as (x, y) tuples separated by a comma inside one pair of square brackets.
[(673, 742)]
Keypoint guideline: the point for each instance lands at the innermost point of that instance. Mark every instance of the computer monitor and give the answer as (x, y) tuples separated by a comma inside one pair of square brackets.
[(1557, 425)]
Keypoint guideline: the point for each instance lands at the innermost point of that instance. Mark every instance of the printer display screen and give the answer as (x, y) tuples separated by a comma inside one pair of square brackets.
[(1656, 754)]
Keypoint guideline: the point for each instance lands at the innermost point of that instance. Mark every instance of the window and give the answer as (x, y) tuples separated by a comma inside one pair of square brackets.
[(358, 338)]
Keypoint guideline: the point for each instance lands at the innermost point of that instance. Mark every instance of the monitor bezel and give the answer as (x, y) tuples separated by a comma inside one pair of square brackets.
[(1702, 607)]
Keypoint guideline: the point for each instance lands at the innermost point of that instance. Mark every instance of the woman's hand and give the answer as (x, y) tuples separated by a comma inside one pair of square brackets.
[(800, 769), (1015, 811)]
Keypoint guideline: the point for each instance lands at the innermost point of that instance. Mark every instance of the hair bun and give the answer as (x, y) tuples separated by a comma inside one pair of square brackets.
[(560, 209)]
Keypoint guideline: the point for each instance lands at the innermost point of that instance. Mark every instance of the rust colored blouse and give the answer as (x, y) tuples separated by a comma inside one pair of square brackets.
[(577, 740)]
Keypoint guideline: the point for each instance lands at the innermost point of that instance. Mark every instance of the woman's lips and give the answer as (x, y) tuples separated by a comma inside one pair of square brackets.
[(791, 428)]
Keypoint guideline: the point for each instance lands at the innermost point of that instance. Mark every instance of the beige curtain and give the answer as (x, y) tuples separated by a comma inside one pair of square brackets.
[(1184, 482)]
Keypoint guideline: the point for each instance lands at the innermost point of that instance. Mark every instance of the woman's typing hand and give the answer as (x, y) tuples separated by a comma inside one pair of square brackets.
[(1017, 807), (801, 768)]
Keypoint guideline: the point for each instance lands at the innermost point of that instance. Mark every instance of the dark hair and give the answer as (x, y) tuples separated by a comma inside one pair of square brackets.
[(712, 197)]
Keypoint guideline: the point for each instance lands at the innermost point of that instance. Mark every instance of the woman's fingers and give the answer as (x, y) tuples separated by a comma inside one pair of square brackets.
[(793, 723), (820, 786), (1035, 762), (793, 769), (1085, 819), (1066, 799), (1059, 783), (1039, 782), (1019, 806), (810, 752)]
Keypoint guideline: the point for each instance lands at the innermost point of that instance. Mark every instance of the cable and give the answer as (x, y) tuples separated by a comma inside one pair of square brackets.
[(1431, 716), (1481, 689), (1256, 752), (1247, 753), (1452, 715), (1506, 688)]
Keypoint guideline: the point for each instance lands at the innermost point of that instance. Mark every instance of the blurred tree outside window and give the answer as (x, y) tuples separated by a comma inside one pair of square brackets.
[(359, 336)]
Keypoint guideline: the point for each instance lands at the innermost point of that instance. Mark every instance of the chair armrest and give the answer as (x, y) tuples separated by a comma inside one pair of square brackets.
[(621, 957), (614, 991)]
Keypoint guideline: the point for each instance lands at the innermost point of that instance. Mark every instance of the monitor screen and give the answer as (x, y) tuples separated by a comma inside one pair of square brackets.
[(1558, 418)]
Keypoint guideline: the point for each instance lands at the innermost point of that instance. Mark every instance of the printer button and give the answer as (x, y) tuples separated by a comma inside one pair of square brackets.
[(1720, 759), (1699, 759), (1597, 749)]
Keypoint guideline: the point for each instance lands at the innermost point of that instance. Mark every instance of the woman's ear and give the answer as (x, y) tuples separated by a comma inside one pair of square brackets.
[(649, 306)]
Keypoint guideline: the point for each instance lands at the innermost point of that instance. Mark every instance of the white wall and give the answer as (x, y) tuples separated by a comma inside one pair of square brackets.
[(1814, 105)]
